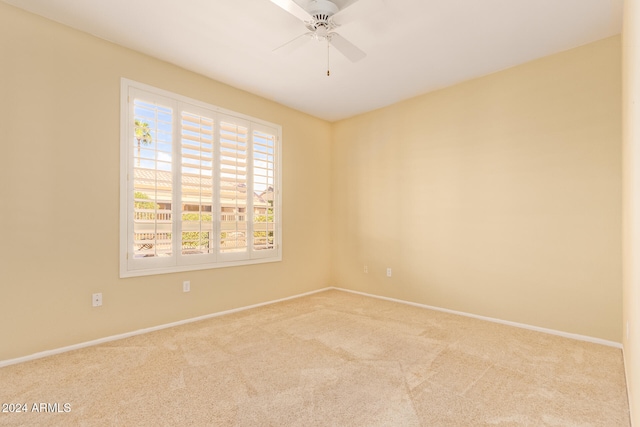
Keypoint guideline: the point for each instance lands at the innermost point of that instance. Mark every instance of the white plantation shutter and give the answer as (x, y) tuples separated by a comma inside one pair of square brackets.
[(200, 187), (234, 139), (196, 153), (151, 226), (265, 209)]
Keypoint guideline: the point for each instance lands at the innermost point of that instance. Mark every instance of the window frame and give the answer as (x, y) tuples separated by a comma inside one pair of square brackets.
[(131, 266)]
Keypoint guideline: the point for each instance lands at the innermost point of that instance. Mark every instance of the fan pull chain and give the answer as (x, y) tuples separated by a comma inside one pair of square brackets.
[(328, 72)]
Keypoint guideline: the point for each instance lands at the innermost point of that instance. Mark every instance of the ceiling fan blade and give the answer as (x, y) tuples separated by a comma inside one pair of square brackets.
[(294, 44), (346, 48), (294, 9), (349, 13), (343, 16)]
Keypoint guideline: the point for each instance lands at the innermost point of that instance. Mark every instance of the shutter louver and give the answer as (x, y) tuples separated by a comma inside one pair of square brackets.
[(152, 180), (197, 184), (233, 187)]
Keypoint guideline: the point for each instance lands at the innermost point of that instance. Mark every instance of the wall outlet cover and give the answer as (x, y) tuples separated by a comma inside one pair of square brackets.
[(96, 299)]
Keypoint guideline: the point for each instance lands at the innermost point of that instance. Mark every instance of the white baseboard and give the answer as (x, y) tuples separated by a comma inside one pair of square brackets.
[(47, 353), (78, 346), (491, 319)]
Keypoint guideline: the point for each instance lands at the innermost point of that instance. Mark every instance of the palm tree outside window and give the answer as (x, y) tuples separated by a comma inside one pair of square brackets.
[(143, 135)]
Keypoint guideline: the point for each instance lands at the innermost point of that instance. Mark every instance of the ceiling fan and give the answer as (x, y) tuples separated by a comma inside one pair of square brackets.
[(318, 17)]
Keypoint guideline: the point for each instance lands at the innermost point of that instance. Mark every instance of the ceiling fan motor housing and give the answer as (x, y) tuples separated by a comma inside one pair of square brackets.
[(322, 11)]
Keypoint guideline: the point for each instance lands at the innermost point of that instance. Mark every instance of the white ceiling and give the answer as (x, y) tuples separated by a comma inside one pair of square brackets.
[(412, 46)]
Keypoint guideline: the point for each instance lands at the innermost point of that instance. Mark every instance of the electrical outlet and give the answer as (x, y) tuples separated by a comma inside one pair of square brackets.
[(186, 286), (388, 272), (366, 269), (97, 299)]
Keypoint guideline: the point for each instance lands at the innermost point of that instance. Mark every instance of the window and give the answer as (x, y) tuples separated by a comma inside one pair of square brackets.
[(200, 186)]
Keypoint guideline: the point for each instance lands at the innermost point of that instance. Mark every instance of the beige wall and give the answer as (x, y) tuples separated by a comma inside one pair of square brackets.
[(499, 196), (59, 194), (631, 203)]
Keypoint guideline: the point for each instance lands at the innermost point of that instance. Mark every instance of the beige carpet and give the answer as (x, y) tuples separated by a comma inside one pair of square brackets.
[(329, 359)]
